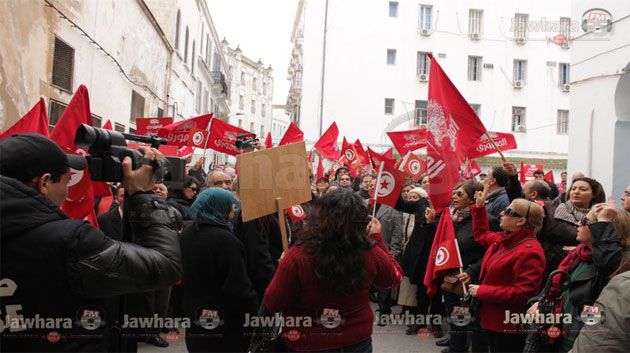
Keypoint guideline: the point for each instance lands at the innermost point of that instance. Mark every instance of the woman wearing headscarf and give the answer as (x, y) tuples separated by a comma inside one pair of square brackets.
[(217, 290)]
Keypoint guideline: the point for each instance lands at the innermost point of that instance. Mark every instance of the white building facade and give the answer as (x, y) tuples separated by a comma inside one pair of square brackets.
[(599, 140), (371, 76), (252, 92), (279, 122), (145, 58)]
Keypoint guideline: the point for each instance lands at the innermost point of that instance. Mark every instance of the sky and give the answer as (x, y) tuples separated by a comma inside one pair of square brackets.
[(263, 30)]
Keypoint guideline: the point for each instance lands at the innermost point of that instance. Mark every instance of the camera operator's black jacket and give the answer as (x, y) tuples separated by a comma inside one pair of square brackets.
[(60, 269)]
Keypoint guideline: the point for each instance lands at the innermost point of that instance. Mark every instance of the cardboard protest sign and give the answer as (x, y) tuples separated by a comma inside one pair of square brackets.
[(269, 174)]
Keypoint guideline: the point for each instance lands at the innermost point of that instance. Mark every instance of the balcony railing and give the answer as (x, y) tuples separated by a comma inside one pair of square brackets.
[(219, 79)]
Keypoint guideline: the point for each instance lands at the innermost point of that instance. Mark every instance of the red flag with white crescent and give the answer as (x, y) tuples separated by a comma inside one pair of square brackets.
[(409, 140), (178, 132), (296, 213), (444, 253), (389, 184), (411, 165), (483, 146)]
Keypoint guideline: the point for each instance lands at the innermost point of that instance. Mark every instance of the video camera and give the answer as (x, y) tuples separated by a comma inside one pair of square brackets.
[(246, 142), (108, 149)]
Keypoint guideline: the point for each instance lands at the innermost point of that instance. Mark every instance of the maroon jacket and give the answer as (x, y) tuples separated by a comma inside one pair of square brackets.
[(296, 292), (511, 272)]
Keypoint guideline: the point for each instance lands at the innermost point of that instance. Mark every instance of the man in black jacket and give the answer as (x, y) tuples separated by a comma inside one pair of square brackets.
[(111, 222), (55, 271)]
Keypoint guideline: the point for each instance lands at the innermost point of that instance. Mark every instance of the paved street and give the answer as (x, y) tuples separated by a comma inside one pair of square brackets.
[(387, 339)]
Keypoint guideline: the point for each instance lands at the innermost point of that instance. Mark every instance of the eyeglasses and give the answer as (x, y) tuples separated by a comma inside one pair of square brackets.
[(584, 222), (510, 212), (459, 193), (194, 190)]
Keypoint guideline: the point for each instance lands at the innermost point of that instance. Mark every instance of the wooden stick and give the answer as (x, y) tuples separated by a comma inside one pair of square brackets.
[(459, 257), (495, 146), (282, 223), (205, 145), (378, 180)]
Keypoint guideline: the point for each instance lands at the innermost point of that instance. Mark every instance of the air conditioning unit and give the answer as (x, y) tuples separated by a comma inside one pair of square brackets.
[(566, 87), (423, 77), (520, 41), (518, 111), (475, 36), (425, 32), (520, 128), (518, 84)]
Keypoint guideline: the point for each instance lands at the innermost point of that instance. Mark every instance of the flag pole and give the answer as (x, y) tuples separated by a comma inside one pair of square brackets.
[(205, 145), (495, 146), (378, 180), (472, 174), (461, 271)]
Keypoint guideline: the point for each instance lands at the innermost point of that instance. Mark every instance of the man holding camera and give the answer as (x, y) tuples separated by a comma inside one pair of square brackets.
[(55, 271)]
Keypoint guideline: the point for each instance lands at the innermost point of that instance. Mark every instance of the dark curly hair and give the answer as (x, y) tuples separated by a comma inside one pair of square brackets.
[(597, 189), (337, 240)]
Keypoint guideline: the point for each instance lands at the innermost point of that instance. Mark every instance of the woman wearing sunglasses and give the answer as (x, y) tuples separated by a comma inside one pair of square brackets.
[(511, 270), (604, 236), (182, 199)]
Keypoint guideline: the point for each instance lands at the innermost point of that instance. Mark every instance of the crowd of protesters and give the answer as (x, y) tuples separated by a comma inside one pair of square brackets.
[(193, 256)]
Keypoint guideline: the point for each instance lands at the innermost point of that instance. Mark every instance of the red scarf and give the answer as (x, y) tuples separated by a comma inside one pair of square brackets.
[(568, 264)]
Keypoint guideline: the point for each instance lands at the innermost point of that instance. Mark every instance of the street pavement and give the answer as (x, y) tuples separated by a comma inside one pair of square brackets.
[(387, 339)]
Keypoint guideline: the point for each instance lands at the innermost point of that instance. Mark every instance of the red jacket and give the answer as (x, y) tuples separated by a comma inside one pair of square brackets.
[(511, 272), (296, 292)]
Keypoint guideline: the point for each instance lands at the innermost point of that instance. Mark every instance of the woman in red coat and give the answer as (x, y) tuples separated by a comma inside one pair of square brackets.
[(511, 271)]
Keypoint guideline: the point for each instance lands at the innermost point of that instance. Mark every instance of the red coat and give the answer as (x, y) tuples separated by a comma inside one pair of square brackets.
[(511, 272)]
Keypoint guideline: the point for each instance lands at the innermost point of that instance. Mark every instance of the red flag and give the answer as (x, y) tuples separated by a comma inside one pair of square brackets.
[(549, 176), (33, 121), (522, 173), (152, 125), (268, 142), (178, 132), (108, 125), (389, 185), (483, 146), (184, 151), (389, 154), (349, 151), (361, 151), (411, 165), (80, 199), (444, 253), (453, 128), (292, 135), (409, 140), (327, 143), (223, 137), (320, 168), (92, 218), (472, 168), (296, 213), (376, 158), (198, 138)]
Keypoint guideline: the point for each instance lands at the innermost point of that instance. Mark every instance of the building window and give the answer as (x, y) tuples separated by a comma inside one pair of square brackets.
[(56, 109), (177, 25), (253, 110), (240, 123), (242, 77), (262, 130), (520, 70), (206, 97), (186, 46), (208, 50), (563, 122), (231, 70), (391, 56), (252, 128), (96, 121), (262, 110), (389, 106), (254, 83), (476, 108), (119, 127), (565, 27), (241, 102), (563, 74), (519, 26), (198, 96), (160, 112), (216, 65), (137, 106), (475, 21), (474, 68), (518, 119), (63, 65), (420, 117), (192, 59), (393, 9), (132, 130), (424, 63), (265, 88), (424, 17)]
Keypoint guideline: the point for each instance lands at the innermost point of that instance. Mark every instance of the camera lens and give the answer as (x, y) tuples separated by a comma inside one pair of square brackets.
[(85, 136)]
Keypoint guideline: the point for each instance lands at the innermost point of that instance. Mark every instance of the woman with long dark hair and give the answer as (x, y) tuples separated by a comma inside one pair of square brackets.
[(322, 283), (182, 199)]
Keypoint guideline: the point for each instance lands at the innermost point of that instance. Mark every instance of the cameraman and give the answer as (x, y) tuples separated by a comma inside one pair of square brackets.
[(57, 268)]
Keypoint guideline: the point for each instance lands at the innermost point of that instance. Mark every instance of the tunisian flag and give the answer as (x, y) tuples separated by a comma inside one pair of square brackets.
[(453, 128), (389, 183), (444, 253), (292, 135), (472, 168), (361, 151), (296, 213), (178, 132), (327, 143), (79, 203), (377, 158), (223, 137), (35, 120), (409, 140), (411, 165), (483, 146), (549, 176)]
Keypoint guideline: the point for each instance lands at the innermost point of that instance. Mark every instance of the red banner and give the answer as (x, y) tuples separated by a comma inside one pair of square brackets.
[(146, 126), (223, 137), (409, 140), (178, 132), (35, 120), (411, 165), (483, 146)]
